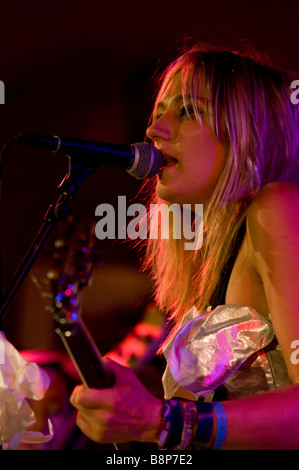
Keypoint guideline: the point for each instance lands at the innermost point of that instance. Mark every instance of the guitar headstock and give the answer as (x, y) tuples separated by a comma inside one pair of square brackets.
[(73, 261)]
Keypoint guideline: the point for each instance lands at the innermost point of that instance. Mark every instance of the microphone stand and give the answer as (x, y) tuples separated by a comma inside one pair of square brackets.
[(57, 212)]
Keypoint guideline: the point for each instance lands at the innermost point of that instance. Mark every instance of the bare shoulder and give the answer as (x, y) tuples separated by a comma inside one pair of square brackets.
[(273, 249), (275, 210), (276, 195)]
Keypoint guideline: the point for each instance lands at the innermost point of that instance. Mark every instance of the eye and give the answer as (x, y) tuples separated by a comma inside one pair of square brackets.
[(157, 116), (189, 112)]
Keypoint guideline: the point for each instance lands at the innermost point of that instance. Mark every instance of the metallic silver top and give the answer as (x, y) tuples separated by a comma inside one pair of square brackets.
[(233, 346)]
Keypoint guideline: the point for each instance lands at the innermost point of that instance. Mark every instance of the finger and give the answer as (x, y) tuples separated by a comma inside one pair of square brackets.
[(91, 399), (85, 425), (94, 424), (75, 393)]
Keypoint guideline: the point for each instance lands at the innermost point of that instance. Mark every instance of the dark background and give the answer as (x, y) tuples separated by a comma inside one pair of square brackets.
[(83, 69)]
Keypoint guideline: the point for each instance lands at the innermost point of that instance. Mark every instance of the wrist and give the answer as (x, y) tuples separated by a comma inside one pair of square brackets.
[(185, 424), (154, 412)]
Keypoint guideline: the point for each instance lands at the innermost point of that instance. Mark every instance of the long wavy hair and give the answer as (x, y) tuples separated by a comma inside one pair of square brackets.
[(248, 108)]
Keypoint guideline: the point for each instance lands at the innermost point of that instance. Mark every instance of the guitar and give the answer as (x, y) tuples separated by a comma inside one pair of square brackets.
[(74, 260), (73, 264)]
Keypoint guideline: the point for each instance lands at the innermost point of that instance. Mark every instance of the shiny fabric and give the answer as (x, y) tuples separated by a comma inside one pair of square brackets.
[(233, 346)]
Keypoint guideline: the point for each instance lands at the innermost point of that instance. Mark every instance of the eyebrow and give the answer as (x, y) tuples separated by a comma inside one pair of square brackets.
[(176, 100)]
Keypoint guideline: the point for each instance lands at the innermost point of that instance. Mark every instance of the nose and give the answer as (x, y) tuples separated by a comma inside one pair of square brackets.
[(160, 129)]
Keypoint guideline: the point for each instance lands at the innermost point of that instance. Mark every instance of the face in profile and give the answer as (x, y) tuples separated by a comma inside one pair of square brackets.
[(193, 158)]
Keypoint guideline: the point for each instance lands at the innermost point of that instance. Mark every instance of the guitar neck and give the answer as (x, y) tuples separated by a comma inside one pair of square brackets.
[(85, 355)]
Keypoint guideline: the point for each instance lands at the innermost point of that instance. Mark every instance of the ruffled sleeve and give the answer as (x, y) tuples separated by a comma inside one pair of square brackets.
[(209, 348)]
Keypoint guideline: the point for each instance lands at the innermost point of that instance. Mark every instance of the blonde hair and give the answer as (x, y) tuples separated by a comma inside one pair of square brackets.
[(248, 108)]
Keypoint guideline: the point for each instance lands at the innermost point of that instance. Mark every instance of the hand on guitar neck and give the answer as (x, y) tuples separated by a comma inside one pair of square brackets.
[(122, 413)]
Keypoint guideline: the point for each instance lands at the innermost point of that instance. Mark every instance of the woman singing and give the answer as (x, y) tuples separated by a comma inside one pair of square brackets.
[(229, 134)]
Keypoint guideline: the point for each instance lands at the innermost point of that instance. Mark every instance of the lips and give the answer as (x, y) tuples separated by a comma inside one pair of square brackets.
[(169, 161)]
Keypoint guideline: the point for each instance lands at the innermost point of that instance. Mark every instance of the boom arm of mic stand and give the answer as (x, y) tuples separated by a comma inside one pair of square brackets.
[(57, 212)]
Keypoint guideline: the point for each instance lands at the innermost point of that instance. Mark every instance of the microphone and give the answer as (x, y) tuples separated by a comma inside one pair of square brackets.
[(140, 160)]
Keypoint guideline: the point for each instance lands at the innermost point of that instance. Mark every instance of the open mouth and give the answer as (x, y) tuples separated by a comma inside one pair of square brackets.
[(169, 161)]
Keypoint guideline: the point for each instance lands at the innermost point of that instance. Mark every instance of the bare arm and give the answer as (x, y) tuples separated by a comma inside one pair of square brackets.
[(269, 421), (127, 412), (273, 228)]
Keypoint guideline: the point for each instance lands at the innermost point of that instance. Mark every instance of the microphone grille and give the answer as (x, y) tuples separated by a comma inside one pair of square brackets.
[(147, 162)]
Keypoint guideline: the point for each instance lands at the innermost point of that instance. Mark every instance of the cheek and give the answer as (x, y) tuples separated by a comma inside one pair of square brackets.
[(205, 156), (218, 160)]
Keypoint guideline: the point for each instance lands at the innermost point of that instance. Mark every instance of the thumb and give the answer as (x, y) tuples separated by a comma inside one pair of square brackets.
[(74, 398)]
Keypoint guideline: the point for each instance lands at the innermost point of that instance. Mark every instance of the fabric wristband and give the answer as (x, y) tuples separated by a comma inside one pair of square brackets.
[(190, 420), (176, 427), (205, 424), (221, 426), (188, 423)]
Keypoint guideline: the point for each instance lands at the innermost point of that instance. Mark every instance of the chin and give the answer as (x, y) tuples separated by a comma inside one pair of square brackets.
[(168, 196), (173, 197)]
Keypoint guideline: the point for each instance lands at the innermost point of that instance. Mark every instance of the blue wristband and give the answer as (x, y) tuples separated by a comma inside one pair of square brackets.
[(171, 426), (221, 426), (205, 424), (176, 426)]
